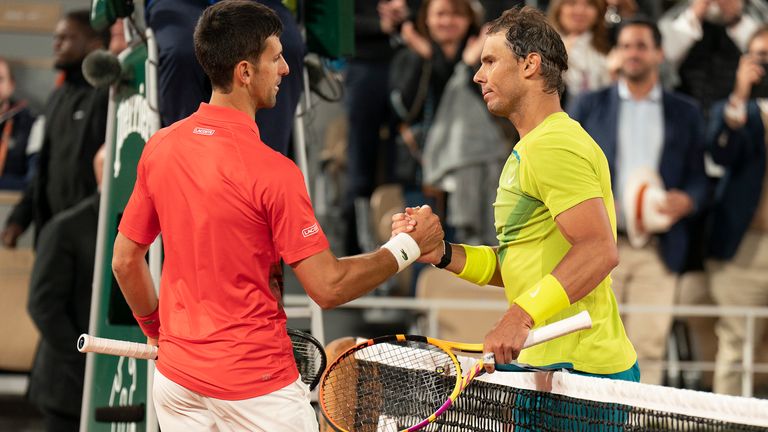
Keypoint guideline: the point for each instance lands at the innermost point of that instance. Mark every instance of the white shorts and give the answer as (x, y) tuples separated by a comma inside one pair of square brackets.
[(284, 410)]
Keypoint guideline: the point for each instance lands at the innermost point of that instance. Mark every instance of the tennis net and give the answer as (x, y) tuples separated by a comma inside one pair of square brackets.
[(558, 402)]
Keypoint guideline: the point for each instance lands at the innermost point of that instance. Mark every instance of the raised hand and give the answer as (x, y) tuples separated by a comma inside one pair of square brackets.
[(416, 42)]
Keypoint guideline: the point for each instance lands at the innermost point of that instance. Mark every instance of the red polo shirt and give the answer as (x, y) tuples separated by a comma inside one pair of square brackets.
[(228, 207)]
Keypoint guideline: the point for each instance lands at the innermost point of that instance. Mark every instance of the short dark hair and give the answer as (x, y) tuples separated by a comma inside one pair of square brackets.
[(639, 20), (229, 32), (82, 17), (527, 31)]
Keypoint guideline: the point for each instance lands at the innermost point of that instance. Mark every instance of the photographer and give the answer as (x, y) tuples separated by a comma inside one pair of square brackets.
[(739, 243)]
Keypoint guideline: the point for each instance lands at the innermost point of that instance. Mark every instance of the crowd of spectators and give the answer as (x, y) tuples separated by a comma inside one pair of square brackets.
[(651, 82), (670, 90)]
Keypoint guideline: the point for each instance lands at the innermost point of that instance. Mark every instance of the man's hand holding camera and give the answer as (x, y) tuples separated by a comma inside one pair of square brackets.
[(750, 73)]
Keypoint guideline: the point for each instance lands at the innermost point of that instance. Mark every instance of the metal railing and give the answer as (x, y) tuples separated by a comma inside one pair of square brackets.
[(298, 306)]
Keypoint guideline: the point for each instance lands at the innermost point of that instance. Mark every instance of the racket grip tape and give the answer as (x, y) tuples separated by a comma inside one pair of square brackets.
[(580, 321), (87, 343)]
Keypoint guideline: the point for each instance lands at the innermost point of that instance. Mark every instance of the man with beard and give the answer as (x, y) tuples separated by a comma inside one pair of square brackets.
[(76, 119), (554, 215), (230, 209), (639, 125)]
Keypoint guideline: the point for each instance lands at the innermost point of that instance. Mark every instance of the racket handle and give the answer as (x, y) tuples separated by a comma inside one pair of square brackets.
[(580, 321), (87, 343)]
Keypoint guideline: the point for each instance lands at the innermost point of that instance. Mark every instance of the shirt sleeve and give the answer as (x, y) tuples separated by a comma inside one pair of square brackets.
[(560, 175), (140, 222), (296, 233)]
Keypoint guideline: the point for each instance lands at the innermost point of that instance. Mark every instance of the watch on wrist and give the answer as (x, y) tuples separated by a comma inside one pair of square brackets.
[(446, 259)]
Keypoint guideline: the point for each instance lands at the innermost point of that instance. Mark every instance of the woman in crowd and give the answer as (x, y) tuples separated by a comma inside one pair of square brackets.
[(444, 34), (450, 149), (581, 24)]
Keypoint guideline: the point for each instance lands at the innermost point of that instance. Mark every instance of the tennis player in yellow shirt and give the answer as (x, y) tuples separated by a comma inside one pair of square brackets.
[(554, 213)]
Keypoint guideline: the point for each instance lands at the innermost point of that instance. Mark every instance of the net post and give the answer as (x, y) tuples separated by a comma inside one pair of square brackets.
[(748, 357), (433, 325)]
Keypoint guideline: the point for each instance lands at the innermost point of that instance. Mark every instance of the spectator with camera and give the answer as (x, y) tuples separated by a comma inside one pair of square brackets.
[(703, 40), (739, 240)]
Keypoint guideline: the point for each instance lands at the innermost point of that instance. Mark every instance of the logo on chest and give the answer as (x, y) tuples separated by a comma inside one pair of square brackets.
[(203, 131)]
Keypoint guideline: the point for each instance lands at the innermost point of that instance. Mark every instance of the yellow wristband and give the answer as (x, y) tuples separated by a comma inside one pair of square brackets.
[(544, 300), (480, 264)]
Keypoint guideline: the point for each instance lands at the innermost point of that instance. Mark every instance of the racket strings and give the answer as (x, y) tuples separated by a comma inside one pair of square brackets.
[(310, 359), (372, 388)]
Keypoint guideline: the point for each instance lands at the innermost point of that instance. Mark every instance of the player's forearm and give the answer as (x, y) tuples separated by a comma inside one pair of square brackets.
[(459, 262), (357, 275), (135, 282), (585, 265), (331, 281)]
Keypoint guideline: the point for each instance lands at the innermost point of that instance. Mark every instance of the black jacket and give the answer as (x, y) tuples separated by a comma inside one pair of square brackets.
[(75, 128), (60, 304), (681, 165)]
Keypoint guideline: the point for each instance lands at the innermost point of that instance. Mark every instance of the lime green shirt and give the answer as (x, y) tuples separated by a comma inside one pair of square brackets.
[(552, 169)]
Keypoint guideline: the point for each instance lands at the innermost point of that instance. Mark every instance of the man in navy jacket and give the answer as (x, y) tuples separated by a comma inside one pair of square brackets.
[(739, 243), (640, 125)]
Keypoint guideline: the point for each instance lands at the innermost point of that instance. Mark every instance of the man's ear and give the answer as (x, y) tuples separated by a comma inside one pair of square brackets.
[(242, 73), (531, 65)]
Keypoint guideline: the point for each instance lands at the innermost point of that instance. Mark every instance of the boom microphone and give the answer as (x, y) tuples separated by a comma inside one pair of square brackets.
[(102, 68)]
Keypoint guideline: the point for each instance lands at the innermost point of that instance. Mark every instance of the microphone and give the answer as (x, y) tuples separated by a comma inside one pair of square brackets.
[(102, 68)]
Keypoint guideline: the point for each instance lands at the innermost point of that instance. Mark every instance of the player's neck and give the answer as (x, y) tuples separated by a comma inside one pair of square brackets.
[(533, 111), (235, 100)]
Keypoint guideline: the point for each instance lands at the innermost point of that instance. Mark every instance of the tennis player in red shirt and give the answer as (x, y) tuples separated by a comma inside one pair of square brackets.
[(229, 208)]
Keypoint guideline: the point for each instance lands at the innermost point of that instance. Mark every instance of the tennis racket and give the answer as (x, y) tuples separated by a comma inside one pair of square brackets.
[(307, 351), (405, 382), (310, 357)]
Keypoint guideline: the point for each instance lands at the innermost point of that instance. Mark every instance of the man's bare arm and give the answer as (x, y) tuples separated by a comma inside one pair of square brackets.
[(331, 281), (132, 274), (592, 256), (593, 252)]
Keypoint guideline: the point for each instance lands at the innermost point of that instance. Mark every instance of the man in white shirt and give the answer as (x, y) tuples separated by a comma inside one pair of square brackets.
[(639, 125)]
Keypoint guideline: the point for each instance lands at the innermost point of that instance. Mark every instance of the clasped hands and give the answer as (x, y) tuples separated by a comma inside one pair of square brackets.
[(506, 338)]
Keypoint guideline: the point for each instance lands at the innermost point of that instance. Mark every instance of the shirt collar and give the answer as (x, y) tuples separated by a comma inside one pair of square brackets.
[(226, 114), (653, 96)]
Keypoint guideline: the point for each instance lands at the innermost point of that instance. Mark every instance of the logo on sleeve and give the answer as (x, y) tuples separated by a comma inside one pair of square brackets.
[(310, 231), (403, 254), (203, 131)]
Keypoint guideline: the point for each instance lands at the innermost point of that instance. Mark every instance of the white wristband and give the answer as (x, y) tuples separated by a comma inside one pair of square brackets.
[(405, 250)]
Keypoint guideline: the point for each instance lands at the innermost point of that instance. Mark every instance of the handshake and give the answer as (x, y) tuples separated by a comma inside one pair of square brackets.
[(424, 227)]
